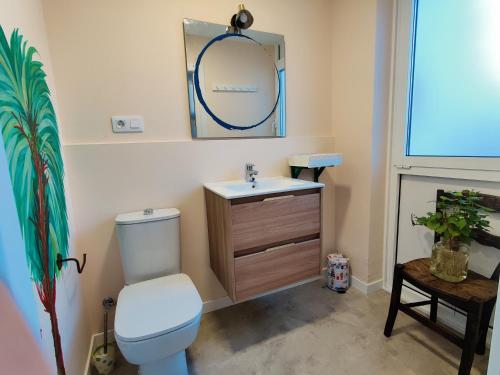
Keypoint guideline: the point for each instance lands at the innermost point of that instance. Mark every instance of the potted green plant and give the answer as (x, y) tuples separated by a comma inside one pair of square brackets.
[(458, 215)]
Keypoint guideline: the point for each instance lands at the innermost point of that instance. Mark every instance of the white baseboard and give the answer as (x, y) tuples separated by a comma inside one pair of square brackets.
[(366, 288), (96, 341), (216, 304)]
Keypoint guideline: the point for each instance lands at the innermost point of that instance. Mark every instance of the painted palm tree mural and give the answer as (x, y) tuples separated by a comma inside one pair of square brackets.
[(29, 131)]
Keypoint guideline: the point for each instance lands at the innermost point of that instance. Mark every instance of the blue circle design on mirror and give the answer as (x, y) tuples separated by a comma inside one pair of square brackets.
[(200, 95)]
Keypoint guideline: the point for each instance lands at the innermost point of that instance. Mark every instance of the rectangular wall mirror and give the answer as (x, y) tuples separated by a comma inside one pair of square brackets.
[(236, 82)]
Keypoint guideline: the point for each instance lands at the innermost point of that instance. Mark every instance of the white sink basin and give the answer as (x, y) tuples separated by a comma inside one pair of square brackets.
[(315, 160), (266, 185)]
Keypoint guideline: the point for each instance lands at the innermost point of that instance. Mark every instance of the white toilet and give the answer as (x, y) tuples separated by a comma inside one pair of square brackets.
[(158, 311)]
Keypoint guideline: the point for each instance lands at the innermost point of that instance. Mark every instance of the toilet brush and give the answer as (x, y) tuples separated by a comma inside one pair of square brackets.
[(104, 355), (108, 304)]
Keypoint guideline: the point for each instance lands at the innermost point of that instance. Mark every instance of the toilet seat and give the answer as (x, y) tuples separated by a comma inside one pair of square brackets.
[(156, 307)]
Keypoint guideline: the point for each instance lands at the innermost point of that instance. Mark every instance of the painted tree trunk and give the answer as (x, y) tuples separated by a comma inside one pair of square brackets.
[(57, 342), (47, 292)]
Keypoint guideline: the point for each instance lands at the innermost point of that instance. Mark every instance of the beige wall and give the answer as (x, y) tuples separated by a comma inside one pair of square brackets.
[(118, 57), (28, 17), (361, 50), (121, 57), (380, 135)]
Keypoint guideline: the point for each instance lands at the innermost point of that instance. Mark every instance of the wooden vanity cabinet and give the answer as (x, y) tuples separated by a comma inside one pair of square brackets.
[(264, 242)]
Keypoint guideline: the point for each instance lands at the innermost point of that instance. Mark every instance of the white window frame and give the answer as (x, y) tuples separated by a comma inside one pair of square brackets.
[(398, 163)]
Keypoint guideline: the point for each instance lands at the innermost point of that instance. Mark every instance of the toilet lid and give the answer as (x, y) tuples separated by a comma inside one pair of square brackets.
[(155, 307)]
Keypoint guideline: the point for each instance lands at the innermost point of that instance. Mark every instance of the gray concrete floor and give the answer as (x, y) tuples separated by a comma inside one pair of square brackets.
[(312, 330)]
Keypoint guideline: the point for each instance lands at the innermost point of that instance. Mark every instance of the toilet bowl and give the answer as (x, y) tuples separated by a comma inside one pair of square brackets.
[(158, 311), (156, 320)]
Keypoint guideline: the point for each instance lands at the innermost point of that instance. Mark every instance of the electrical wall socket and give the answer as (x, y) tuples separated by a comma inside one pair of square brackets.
[(127, 124)]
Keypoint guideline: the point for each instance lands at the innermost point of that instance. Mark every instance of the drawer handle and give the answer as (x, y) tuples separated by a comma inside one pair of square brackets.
[(267, 251), (279, 247), (278, 198)]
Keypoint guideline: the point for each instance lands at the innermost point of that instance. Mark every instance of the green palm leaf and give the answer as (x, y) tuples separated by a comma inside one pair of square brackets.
[(29, 131), (26, 113)]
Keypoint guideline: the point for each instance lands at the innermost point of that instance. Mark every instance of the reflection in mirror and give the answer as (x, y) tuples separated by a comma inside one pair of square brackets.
[(236, 82)]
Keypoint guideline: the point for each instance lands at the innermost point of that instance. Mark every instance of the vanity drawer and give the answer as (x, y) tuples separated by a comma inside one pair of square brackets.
[(276, 267), (275, 219)]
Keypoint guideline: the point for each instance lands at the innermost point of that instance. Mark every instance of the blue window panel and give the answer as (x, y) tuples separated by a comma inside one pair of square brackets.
[(455, 89)]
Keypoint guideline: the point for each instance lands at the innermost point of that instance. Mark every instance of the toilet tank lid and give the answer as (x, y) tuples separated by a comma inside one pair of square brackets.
[(141, 217)]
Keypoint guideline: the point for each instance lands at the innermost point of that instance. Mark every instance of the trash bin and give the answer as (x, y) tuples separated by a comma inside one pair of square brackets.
[(338, 273)]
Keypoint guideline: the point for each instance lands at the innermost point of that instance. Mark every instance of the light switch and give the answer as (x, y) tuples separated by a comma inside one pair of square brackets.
[(136, 123), (127, 124)]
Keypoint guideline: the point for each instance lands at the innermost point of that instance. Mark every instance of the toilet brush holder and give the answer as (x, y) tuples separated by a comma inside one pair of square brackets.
[(103, 362), (103, 357)]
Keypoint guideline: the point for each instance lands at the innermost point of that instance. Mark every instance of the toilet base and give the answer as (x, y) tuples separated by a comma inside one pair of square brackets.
[(173, 365)]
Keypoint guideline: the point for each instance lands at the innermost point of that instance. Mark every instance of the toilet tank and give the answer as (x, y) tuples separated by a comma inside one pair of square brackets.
[(149, 243)]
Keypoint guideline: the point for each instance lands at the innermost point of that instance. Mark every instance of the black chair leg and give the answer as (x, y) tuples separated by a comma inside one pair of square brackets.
[(434, 309), (483, 329), (472, 329), (397, 284)]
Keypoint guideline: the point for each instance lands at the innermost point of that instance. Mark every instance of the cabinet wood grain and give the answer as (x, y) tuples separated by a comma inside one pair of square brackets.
[(271, 221), (220, 240), (240, 231), (268, 270)]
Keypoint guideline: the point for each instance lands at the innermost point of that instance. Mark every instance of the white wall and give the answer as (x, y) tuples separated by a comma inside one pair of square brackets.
[(14, 271), (122, 57), (28, 16), (418, 196)]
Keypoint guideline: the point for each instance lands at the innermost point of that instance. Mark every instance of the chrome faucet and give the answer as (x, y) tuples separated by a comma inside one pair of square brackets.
[(250, 174)]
